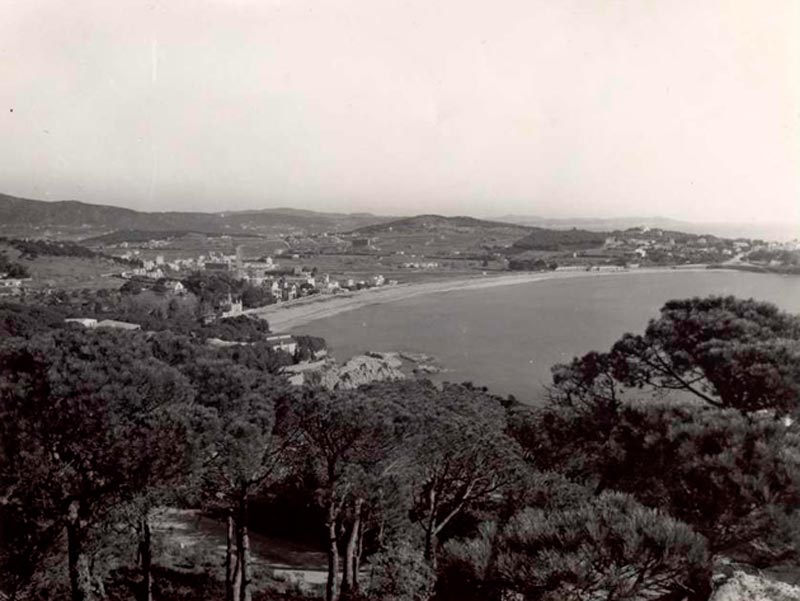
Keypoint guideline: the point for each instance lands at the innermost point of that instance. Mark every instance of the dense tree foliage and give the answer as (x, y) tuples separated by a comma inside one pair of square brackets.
[(727, 352), (32, 248), (642, 464), (462, 459), (728, 476), (607, 548), (349, 437), (214, 289), (242, 454), (699, 399), (12, 269), (22, 320), (531, 265), (153, 312), (573, 239), (87, 419), (785, 258), (309, 347)]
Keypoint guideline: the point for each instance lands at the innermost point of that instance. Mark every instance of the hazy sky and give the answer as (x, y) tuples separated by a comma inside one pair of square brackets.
[(681, 108)]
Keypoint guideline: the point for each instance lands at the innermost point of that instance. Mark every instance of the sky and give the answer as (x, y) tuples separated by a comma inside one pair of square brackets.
[(555, 108)]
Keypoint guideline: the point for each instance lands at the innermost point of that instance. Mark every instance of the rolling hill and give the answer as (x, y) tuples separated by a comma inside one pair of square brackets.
[(769, 230), (439, 224), (75, 219), (439, 236)]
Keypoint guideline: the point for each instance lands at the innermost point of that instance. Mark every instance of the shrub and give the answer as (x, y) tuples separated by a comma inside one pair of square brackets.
[(400, 574)]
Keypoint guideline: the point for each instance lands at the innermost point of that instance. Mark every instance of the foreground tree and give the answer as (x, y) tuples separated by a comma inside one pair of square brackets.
[(86, 420), (461, 458), (609, 548), (346, 435), (724, 465), (242, 455), (724, 351), (733, 478)]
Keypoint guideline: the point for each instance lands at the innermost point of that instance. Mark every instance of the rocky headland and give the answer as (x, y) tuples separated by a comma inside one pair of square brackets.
[(363, 369)]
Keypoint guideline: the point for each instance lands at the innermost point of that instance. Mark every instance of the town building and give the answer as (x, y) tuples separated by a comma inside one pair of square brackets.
[(11, 286), (217, 267), (282, 342), (288, 291), (86, 322), (175, 287), (232, 308), (361, 243), (118, 325)]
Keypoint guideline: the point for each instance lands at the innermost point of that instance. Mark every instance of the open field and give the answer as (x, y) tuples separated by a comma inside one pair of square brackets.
[(67, 272)]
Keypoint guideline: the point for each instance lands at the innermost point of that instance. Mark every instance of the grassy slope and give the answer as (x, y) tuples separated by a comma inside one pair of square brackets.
[(67, 272)]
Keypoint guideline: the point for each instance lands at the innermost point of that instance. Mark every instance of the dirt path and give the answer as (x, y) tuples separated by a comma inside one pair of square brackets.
[(189, 540)]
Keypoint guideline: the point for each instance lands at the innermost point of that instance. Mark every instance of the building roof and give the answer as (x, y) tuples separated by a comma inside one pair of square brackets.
[(278, 337), (121, 325), (85, 321), (217, 265)]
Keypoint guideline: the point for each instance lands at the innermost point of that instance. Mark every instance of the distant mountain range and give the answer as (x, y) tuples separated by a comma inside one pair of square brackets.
[(74, 219), (780, 231), (79, 220)]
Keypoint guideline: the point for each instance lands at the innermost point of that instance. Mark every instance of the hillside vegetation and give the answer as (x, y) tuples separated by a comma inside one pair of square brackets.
[(22, 216), (615, 488), (439, 223), (574, 239)]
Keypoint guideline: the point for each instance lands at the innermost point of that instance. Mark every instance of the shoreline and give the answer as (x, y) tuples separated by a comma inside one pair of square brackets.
[(293, 314)]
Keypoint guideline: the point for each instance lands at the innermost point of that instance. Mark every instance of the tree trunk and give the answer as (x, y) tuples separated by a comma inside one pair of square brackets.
[(232, 573), (430, 547), (333, 552), (146, 560), (357, 559), (430, 529), (243, 551), (382, 532), (80, 577), (349, 579)]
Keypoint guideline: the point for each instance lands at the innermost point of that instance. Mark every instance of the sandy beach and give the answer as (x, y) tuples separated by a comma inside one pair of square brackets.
[(292, 314)]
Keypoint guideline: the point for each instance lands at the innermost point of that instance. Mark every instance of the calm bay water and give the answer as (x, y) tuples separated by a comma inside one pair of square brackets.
[(507, 337)]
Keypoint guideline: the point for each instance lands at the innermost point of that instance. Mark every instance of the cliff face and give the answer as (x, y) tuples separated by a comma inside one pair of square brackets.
[(362, 369)]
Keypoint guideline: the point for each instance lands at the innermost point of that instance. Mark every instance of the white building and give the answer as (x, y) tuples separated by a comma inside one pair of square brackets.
[(10, 286), (282, 342), (118, 325), (86, 322)]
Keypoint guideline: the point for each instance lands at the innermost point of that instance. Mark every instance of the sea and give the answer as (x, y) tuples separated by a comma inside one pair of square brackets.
[(507, 337)]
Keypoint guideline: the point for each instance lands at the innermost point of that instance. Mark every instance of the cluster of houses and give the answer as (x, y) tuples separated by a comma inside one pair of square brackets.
[(791, 245), (420, 265), (289, 287), (11, 286), (602, 268), (283, 285), (158, 268), (644, 243)]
